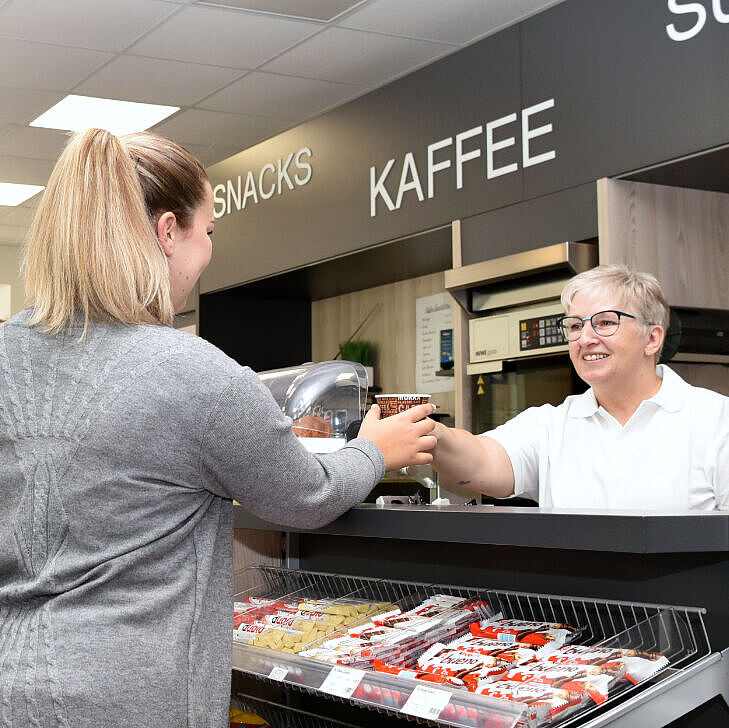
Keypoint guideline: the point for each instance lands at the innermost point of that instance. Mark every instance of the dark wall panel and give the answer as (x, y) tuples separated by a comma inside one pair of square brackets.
[(625, 96), (249, 329), (566, 215)]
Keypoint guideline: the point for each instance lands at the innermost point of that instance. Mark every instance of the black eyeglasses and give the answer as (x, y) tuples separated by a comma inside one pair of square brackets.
[(604, 323)]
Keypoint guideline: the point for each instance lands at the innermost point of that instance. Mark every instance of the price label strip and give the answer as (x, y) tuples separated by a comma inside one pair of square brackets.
[(426, 702), (278, 673), (342, 681)]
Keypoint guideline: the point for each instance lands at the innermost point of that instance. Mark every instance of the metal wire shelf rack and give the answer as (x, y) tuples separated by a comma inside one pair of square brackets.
[(676, 632)]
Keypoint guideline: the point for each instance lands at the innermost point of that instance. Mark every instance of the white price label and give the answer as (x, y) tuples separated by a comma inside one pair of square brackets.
[(342, 681), (426, 702), (278, 673)]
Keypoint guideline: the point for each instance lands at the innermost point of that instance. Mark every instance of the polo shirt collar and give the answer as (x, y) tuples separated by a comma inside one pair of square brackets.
[(673, 392), (671, 396)]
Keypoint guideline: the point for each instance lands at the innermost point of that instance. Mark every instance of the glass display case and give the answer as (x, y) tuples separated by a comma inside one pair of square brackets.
[(325, 400)]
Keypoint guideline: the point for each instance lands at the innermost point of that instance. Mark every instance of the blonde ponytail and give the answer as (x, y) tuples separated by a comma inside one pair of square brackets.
[(91, 248)]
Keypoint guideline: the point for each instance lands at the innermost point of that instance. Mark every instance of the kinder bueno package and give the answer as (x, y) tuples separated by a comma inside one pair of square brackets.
[(516, 653), (543, 703), (414, 674), (442, 660), (634, 665), (528, 632), (583, 680)]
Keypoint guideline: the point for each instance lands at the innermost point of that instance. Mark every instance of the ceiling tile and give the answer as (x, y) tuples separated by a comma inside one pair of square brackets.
[(156, 81), (84, 23), (22, 170), (314, 9), (22, 105), (285, 97), (352, 56), (34, 143), (457, 21), (223, 37), (46, 67), (197, 126), (213, 154)]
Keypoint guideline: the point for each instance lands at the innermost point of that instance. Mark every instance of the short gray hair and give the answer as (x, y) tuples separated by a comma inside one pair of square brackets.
[(640, 292)]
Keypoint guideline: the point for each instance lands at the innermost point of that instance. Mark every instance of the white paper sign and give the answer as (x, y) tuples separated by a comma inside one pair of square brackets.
[(433, 314), (342, 681), (426, 702), (278, 673)]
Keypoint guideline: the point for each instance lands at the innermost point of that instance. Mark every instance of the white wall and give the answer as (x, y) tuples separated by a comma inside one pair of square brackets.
[(10, 274)]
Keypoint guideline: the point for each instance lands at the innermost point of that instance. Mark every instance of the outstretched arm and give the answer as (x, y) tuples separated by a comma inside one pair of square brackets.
[(475, 462)]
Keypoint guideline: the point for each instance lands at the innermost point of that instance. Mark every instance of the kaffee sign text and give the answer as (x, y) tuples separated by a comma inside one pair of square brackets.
[(444, 153)]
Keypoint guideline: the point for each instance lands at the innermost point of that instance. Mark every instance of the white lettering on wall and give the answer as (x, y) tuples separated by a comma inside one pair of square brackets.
[(442, 154), (462, 157), (492, 146), (699, 16), (527, 134), (409, 170), (434, 167), (253, 187)]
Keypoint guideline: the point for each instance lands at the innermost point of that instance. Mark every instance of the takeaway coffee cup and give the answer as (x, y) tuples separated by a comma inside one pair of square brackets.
[(391, 404)]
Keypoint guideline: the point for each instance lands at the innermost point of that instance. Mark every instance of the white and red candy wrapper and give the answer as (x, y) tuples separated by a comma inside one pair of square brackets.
[(436, 610), (636, 665), (415, 674), (543, 703), (586, 680), (641, 665), (516, 653), (528, 632), (442, 660)]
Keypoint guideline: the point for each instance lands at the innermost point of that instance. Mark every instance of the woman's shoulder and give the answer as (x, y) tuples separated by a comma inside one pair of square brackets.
[(195, 352)]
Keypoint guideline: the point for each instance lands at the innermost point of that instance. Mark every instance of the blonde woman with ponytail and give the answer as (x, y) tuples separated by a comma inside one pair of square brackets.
[(122, 444)]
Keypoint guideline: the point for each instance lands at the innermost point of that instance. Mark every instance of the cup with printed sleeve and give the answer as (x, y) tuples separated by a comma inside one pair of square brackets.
[(391, 404)]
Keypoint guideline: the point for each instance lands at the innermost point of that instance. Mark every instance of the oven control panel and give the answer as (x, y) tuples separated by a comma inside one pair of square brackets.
[(541, 332), (513, 334)]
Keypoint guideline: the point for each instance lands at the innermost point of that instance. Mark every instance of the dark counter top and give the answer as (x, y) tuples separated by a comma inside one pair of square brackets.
[(624, 531)]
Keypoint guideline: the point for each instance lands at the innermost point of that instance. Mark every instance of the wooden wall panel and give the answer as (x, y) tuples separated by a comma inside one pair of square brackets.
[(709, 376), (251, 548), (680, 235), (391, 329)]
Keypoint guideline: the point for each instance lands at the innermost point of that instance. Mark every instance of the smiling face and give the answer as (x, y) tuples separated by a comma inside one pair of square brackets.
[(191, 251), (612, 361)]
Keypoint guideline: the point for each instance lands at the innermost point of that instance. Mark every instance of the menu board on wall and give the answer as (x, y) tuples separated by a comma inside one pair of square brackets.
[(434, 329)]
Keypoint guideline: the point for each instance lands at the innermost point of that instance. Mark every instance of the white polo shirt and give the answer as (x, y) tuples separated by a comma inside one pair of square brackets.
[(673, 453)]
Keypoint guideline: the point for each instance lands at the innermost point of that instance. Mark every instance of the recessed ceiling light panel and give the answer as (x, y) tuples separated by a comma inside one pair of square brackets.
[(78, 113), (13, 194)]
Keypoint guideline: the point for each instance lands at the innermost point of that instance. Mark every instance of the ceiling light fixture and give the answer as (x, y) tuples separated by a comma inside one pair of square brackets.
[(13, 194), (78, 113)]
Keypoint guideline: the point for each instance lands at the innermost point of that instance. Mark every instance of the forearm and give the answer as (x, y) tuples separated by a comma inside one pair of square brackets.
[(472, 462)]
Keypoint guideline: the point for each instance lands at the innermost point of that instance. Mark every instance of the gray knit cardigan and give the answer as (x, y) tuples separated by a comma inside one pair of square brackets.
[(119, 457)]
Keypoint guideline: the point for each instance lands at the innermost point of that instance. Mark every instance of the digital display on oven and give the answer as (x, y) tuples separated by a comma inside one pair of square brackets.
[(540, 333)]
